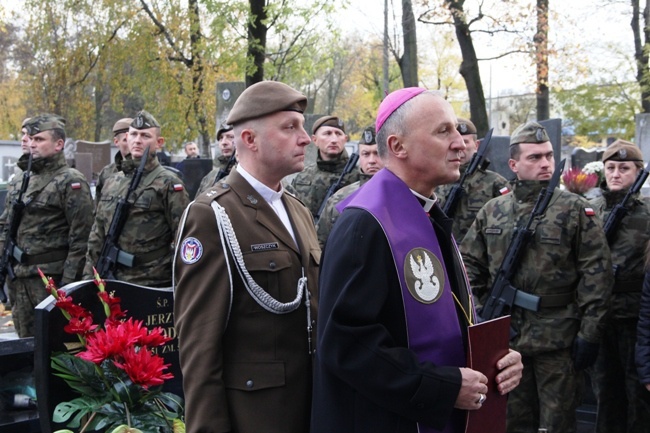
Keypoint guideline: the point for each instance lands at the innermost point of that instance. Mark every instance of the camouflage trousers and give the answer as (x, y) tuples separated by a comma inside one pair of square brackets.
[(547, 396), (623, 403), (26, 294)]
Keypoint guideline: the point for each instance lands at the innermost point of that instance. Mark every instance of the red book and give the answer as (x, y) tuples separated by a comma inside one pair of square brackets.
[(487, 343)]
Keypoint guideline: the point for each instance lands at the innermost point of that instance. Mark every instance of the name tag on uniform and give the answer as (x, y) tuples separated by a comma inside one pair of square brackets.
[(492, 231), (264, 247)]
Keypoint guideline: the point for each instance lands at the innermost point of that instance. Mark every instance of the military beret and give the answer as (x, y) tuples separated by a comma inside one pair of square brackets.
[(223, 128), (622, 150), (25, 120), (332, 121), (465, 127), (121, 126), (368, 136), (531, 132), (144, 120), (264, 98), (44, 122)]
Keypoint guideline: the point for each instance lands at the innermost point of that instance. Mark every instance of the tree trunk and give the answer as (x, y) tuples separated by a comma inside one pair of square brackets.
[(256, 42), (196, 41), (541, 60), (408, 63), (469, 67), (641, 51)]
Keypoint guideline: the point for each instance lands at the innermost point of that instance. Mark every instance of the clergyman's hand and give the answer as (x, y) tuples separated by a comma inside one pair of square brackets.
[(473, 390)]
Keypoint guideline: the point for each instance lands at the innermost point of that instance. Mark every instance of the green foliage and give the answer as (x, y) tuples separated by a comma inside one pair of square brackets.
[(600, 110)]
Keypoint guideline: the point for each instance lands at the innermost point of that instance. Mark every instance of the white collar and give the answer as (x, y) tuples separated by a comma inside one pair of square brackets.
[(428, 202), (267, 193)]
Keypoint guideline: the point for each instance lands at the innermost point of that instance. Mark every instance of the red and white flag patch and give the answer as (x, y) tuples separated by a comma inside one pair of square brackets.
[(178, 187), (505, 190), (75, 185), (589, 212)]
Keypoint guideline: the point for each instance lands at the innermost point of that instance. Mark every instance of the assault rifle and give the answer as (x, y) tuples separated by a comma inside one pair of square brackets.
[(108, 258), (352, 162), (616, 215), (18, 208), (502, 294), (226, 169), (457, 191)]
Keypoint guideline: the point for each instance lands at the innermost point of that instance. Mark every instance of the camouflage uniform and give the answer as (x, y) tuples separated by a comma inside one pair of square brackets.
[(330, 214), (482, 186), (568, 257), (623, 403), (53, 233), (157, 205), (107, 172), (312, 183)]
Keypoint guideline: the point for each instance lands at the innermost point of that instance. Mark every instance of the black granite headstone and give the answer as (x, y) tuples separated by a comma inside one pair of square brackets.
[(580, 156), (154, 306), (194, 170)]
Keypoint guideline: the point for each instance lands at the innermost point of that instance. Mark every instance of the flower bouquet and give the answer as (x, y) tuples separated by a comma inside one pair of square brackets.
[(579, 182), (597, 168), (118, 377)]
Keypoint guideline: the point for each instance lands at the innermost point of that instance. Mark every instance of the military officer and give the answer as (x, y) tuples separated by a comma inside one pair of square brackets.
[(369, 164), (156, 208), (120, 134), (482, 186), (246, 272), (54, 228), (623, 403), (222, 163), (567, 265), (311, 185)]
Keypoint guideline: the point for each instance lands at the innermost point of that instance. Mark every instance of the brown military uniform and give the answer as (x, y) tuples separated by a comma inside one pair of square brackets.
[(252, 361)]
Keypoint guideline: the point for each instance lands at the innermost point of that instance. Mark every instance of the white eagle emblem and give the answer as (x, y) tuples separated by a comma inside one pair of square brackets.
[(427, 285)]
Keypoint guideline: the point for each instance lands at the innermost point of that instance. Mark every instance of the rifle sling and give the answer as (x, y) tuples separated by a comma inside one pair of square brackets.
[(627, 286), (532, 302), (130, 260), (37, 259)]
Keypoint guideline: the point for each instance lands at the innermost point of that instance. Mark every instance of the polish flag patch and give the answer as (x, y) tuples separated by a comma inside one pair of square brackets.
[(589, 211), (75, 185), (505, 190), (178, 187)]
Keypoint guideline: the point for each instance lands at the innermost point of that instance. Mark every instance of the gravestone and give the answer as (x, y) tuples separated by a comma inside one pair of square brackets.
[(154, 306), (642, 136), (101, 155), (194, 170), (580, 156), (227, 94), (499, 151)]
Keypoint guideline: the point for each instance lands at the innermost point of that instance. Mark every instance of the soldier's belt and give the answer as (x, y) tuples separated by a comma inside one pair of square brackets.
[(36, 259), (131, 260), (534, 302), (627, 286)]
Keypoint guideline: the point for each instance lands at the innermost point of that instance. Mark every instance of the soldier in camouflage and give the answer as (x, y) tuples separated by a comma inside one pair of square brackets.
[(369, 164), (567, 265), (157, 205), (481, 187), (54, 229), (226, 139), (311, 185), (623, 403), (120, 133)]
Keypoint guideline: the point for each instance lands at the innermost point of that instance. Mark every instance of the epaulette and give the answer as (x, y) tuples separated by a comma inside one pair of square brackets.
[(212, 193)]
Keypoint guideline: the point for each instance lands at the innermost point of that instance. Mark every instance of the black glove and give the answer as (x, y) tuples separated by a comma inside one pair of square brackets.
[(584, 353)]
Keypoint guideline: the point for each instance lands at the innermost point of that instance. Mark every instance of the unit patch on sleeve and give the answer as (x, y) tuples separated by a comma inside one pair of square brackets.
[(191, 250)]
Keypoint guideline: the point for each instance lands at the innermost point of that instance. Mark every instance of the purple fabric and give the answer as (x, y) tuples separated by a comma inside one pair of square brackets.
[(434, 331)]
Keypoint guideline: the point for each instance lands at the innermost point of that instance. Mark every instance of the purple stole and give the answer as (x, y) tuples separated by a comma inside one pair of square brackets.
[(432, 323)]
